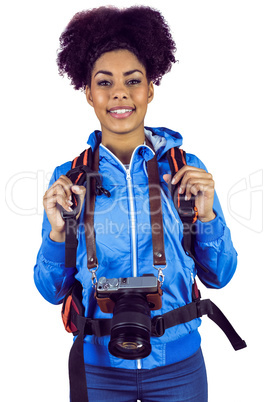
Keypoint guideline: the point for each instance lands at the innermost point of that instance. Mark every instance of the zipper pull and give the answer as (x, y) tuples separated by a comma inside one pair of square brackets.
[(128, 174)]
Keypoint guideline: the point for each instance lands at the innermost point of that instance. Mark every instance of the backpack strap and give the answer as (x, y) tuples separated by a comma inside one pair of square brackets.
[(193, 310), (80, 167), (84, 169), (80, 172), (186, 209)]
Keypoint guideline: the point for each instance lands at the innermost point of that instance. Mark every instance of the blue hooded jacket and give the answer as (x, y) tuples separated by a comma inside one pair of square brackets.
[(124, 249)]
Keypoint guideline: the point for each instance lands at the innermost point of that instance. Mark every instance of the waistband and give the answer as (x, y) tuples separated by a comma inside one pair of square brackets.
[(162, 354)]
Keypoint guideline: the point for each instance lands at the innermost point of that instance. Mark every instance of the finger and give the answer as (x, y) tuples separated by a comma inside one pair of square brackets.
[(64, 181), (205, 187), (61, 186), (58, 195), (50, 203), (185, 170), (193, 176), (57, 188)]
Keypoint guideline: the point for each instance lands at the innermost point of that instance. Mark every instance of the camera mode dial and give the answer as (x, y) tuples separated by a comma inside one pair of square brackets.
[(106, 284)]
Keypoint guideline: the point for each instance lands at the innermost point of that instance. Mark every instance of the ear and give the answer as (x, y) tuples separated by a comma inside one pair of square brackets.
[(150, 92), (89, 96)]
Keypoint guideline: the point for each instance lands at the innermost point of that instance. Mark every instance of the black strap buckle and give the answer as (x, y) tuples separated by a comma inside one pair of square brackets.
[(187, 214), (187, 210), (71, 214), (158, 326)]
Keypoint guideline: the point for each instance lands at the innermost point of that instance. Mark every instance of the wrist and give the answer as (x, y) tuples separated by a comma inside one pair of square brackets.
[(58, 237), (208, 218)]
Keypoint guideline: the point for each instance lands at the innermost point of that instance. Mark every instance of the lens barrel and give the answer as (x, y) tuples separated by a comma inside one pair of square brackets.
[(131, 327)]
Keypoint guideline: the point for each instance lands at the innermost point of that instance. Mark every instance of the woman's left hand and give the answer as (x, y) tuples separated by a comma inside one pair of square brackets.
[(197, 182)]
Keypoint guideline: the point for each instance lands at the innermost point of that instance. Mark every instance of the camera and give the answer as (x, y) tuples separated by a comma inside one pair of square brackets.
[(131, 301)]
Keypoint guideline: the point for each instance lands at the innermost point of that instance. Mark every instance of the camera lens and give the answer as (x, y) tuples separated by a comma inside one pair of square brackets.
[(130, 345), (131, 327)]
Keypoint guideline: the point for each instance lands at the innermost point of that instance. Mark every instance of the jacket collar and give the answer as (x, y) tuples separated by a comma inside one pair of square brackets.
[(161, 138)]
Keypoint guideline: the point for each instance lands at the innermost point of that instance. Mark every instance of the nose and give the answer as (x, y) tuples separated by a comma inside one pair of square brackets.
[(120, 92)]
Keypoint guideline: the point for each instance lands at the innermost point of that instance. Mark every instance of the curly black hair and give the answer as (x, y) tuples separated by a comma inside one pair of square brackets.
[(90, 33)]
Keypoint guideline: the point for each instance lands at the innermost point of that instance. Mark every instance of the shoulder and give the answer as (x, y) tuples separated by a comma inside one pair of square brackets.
[(193, 160), (59, 171), (63, 169)]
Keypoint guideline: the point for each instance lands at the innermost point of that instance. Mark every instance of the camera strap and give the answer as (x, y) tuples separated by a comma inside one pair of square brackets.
[(156, 216), (159, 258), (92, 262)]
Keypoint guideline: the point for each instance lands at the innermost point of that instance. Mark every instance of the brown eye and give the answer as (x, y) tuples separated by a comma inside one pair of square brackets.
[(134, 82), (104, 83)]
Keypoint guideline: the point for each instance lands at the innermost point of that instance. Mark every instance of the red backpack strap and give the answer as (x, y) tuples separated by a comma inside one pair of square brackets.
[(80, 172), (186, 209), (72, 303), (81, 166)]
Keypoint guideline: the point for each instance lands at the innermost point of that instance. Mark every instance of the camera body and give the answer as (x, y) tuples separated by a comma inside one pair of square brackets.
[(108, 291)]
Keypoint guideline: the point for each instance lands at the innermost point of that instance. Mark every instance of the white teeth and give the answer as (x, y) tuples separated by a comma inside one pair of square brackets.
[(121, 111)]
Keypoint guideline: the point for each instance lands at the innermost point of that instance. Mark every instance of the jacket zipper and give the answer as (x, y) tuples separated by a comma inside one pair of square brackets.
[(132, 224), (132, 210), (133, 232)]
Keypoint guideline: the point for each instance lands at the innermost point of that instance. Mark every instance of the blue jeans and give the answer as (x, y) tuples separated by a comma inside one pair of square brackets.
[(180, 382)]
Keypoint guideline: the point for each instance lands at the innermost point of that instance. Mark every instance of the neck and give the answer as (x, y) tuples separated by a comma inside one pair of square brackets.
[(122, 145)]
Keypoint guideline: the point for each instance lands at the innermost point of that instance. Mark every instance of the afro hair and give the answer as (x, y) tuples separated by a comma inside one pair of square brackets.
[(90, 33)]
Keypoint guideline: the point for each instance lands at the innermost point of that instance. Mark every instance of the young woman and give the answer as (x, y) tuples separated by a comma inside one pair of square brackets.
[(116, 57)]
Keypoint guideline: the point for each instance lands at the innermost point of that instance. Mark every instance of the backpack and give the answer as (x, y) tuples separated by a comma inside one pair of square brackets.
[(85, 169)]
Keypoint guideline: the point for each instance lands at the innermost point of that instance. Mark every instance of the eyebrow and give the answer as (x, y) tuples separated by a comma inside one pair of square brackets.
[(124, 74)]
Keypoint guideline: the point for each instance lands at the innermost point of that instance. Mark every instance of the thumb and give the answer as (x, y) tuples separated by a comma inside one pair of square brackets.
[(167, 177), (81, 192)]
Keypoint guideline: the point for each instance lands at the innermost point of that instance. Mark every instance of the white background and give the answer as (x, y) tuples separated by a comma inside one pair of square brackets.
[(216, 97)]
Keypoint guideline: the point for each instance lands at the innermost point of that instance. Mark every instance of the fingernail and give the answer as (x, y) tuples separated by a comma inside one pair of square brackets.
[(186, 198), (180, 190), (70, 203), (76, 188), (172, 181)]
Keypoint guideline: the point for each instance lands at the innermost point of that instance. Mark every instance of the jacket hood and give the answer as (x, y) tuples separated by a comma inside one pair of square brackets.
[(162, 139)]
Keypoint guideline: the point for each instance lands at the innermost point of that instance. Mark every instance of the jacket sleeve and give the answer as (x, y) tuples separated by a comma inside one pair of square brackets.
[(213, 244), (51, 277)]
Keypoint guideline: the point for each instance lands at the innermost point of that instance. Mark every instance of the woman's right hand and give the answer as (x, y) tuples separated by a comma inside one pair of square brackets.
[(60, 193)]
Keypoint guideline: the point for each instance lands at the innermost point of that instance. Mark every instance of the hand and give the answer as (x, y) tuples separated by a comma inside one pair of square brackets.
[(60, 193), (197, 182)]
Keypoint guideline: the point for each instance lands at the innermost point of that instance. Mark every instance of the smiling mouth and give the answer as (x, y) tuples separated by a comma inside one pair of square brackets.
[(121, 113)]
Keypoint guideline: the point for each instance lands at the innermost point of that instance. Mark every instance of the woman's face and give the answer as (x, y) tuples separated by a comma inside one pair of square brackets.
[(119, 92)]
